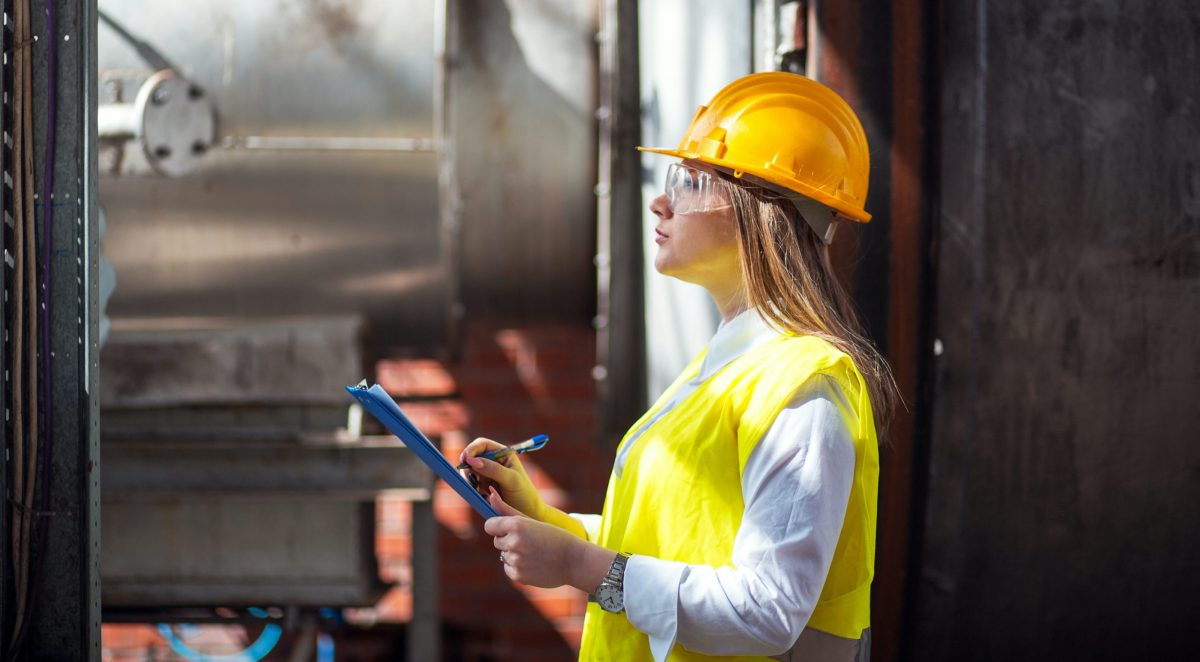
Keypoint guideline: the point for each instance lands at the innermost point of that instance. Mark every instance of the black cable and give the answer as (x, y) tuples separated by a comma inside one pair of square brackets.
[(41, 523), (143, 48)]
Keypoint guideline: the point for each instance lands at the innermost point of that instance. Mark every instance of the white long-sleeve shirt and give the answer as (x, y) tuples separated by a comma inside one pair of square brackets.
[(795, 487)]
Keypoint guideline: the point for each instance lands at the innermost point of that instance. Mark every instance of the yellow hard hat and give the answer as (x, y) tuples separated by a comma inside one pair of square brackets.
[(788, 131)]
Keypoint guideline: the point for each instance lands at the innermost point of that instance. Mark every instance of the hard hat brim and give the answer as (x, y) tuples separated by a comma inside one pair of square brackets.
[(843, 209)]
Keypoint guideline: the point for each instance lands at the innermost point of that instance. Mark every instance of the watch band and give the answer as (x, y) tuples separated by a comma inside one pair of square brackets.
[(611, 591), (616, 571)]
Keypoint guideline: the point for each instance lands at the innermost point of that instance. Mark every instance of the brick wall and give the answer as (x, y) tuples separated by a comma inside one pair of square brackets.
[(511, 383)]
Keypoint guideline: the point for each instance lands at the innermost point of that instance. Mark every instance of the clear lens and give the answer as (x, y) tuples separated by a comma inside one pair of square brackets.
[(691, 191)]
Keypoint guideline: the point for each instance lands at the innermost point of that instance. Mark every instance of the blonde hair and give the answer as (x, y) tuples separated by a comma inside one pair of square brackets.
[(790, 280)]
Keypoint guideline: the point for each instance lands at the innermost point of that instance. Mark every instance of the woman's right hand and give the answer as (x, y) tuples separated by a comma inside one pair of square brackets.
[(507, 474)]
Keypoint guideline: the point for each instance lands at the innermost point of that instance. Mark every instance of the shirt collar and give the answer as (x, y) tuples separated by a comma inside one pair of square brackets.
[(734, 338)]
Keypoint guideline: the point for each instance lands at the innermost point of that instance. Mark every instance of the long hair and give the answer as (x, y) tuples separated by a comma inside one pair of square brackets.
[(790, 281)]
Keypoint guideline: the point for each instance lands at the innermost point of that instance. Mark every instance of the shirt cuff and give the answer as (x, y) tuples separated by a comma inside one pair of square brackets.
[(590, 522), (652, 600)]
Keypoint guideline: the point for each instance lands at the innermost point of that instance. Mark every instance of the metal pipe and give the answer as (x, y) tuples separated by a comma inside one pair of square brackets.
[(323, 143), (118, 121)]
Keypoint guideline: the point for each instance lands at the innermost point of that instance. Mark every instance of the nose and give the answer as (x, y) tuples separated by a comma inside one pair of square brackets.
[(661, 206)]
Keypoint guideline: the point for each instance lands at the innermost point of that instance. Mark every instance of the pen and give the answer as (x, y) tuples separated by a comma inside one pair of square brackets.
[(531, 444)]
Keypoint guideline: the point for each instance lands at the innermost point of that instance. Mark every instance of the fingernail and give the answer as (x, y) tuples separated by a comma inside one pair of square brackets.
[(492, 489), (473, 461)]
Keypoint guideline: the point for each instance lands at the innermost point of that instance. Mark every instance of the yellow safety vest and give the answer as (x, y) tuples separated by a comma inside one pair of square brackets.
[(679, 495)]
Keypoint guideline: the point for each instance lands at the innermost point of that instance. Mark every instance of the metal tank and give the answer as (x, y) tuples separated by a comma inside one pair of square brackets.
[(311, 185), (520, 112), (319, 195), (354, 170)]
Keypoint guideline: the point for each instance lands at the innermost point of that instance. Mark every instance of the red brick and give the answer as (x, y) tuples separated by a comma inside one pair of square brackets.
[(415, 377), (393, 546), (512, 382)]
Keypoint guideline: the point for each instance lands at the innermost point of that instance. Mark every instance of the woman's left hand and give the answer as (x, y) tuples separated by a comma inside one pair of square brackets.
[(543, 555)]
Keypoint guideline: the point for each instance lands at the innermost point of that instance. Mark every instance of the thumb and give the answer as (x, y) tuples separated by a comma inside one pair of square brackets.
[(501, 507)]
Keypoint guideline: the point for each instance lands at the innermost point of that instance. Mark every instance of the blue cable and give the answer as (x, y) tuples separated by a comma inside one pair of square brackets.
[(258, 650)]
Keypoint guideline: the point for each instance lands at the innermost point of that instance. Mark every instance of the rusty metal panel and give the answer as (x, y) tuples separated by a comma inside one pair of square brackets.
[(1061, 518)]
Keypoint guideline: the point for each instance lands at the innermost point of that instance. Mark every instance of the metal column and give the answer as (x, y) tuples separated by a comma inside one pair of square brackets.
[(621, 342), (64, 610)]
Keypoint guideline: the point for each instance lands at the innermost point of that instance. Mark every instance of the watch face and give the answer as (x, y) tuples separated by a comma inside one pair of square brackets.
[(610, 598)]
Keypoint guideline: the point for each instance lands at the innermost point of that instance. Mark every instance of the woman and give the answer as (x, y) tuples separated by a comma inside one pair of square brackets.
[(740, 516)]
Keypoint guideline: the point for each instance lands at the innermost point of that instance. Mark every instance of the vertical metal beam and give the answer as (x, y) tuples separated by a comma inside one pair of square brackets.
[(908, 316), (875, 53), (424, 633), (620, 332), (7, 274), (65, 601), (450, 204)]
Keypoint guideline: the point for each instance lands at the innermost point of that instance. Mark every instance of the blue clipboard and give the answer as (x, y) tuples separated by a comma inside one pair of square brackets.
[(381, 405)]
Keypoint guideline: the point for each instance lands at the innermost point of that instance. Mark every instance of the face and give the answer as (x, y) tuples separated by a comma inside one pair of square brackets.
[(697, 246)]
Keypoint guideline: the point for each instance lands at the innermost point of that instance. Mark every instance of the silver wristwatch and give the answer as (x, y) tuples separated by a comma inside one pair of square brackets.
[(611, 592)]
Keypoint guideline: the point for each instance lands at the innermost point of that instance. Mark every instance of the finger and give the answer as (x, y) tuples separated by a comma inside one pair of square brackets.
[(498, 472), (501, 525), (501, 507), (495, 526), (478, 447), (483, 485)]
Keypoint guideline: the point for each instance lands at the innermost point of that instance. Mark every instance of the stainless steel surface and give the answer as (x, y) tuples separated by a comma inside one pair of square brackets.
[(277, 362), (238, 551), (522, 118), (259, 235), (330, 143), (328, 204), (306, 67), (227, 480), (339, 470)]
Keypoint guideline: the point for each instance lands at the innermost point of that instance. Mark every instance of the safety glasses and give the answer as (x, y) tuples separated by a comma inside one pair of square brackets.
[(692, 191)]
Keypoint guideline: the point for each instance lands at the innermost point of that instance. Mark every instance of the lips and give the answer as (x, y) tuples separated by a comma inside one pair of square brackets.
[(659, 236)]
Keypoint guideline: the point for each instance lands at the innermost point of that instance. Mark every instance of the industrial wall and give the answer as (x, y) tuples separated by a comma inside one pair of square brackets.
[(1060, 517), (521, 90)]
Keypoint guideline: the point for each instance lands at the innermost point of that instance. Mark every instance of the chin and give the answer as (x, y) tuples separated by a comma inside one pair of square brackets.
[(663, 266)]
